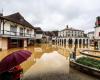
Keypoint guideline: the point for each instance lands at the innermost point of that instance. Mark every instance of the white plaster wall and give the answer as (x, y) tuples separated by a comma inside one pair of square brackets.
[(0, 42), (59, 33), (7, 28), (25, 43), (96, 33), (4, 43), (64, 33), (91, 35), (38, 36), (33, 32)]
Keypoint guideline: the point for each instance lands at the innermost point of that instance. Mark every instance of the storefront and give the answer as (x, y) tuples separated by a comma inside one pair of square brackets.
[(15, 43)]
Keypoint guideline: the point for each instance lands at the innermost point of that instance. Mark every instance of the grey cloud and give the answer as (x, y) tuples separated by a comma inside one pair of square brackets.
[(55, 14)]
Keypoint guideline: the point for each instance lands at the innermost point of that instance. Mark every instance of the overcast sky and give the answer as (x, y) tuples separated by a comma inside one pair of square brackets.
[(55, 14)]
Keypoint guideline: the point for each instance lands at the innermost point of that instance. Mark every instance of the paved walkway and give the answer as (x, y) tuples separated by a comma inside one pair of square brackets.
[(77, 75), (52, 66)]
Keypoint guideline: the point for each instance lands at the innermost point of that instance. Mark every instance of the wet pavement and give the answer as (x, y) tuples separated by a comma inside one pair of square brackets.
[(52, 66), (39, 50), (77, 75)]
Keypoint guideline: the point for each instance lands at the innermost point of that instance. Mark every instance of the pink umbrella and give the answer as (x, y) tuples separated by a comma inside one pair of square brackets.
[(14, 59)]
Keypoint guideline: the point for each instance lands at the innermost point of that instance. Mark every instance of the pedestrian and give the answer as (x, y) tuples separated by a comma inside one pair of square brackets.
[(17, 72)]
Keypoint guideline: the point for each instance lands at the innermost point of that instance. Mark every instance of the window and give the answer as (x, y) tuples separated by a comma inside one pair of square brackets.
[(27, 31), (13, 30), (99, 33), (21, 31)]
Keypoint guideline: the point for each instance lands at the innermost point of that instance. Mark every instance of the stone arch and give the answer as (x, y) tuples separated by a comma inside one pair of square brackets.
[(76, 42), (60, 42), (53, 42), (83, 43), (64, 42), (80, 43), (87, 43), (70, 42)]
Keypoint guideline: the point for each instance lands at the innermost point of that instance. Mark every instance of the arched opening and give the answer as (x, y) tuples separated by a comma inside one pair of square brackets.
[(53, 42), (64, 42), (83, 43), (60, 42), (80, 43), (76, 42), (95, 45), (70, 42), (87, 43)]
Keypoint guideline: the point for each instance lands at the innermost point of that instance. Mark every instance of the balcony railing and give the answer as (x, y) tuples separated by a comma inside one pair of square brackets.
[(11, 33)]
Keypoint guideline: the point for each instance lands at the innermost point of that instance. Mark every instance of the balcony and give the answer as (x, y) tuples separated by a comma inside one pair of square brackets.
[(6, 33)]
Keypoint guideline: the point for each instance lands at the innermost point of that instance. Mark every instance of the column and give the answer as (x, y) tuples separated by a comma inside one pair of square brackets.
[(78, 43), (25, 43), (73, 42), (99, 45), (88, 43), (85, 43), (82, 43), (58, 41), (4, 43), (66, 42), (63, 42), (55, 41)]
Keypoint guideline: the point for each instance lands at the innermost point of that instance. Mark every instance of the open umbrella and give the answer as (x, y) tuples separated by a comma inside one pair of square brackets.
[(14, 59)]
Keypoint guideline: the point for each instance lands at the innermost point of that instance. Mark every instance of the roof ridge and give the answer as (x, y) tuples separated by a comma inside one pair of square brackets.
[(18, 18)]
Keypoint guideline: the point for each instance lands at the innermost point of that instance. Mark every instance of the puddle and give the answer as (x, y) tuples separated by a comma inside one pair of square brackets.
[(49, 65)]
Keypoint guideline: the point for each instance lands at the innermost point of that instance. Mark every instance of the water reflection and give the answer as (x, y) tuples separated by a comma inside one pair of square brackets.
[(39, 49)]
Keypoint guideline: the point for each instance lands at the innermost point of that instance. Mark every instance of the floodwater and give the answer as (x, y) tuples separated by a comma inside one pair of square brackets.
[(39, 49)]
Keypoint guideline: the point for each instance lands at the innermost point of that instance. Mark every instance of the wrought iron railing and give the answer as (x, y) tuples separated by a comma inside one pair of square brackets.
[(12, 33)]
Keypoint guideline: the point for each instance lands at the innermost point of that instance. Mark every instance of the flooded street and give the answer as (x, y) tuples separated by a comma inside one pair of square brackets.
[(39, 50), (77, 75)]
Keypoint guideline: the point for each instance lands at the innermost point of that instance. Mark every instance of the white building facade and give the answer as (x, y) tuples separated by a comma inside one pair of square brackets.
[(91, 37), (97, 33), (70, 37), (15, 31), (38, 34)]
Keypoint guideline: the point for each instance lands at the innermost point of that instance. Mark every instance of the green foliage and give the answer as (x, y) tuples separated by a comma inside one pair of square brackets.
[(89, 62)]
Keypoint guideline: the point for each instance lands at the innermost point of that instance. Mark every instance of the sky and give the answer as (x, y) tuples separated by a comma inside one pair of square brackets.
[(55, 14)]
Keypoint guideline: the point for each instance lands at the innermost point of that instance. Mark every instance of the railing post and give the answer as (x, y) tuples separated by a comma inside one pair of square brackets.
[(3, 26)]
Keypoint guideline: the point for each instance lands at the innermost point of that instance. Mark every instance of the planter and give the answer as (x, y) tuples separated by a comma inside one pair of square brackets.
[(84, 68)]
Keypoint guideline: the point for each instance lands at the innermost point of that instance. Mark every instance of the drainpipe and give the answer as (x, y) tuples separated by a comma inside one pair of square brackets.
[(3, 27)]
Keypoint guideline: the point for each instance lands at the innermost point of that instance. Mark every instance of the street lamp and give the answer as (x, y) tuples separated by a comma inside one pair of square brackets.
[(74, 53)]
